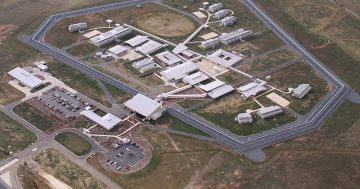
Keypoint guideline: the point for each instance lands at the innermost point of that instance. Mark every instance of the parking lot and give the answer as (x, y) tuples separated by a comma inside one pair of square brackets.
[(123, 156), (64, 102)]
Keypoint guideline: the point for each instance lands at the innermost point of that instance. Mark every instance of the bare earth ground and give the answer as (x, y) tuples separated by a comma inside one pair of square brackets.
[(165, 24)]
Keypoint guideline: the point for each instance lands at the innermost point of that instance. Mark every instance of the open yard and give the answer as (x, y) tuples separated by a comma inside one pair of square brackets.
[(326, 30), (268, 62), (63, 169), (13, 136), (165, 24), (168, 121), (75, 143), (35, 116), (227, 108), (232, 78), (295, 75), (82, 49)]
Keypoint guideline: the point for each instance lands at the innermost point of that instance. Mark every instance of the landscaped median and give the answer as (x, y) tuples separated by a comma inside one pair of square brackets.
[(73, 142)]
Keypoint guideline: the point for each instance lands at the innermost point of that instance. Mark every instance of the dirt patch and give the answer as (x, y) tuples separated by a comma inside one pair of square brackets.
[(166, 24), (5, 29)]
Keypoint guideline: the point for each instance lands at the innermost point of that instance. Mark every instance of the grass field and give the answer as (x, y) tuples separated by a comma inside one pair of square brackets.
[(119, 95), (82, 49), (169, 121), (232, 78), (165, 24), (35, 116), (30, 180), (75, 143), (78, 81), (295, 75), (230, 106), (65, 170), (13, 136), (327, 31), (268, 62)]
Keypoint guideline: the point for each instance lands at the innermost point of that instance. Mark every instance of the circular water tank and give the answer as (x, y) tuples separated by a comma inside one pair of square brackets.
[(104, 56), (98, 54)]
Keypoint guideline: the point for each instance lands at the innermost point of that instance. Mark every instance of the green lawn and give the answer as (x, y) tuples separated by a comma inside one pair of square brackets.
[(13, 136), (74, 143), (35, 116)]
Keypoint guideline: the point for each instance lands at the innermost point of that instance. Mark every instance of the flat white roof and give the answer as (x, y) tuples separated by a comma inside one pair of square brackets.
[(196, 78), (269, 109), (209, 35), (149, 47), (224, 58), (251, 89), (302, 90), (220, 91), (179, 48), (25, 77), (108, 121), (136, 41), (278, 99), (213, 85), (168, 58), (143, 105), (179, 71), (118, 49), (109, 34), (42, 66)]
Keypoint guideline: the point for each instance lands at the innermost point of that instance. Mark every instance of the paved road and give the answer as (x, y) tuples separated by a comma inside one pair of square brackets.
[(243, 144)]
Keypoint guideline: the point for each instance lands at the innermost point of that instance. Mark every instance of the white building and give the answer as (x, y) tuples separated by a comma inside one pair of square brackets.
[(244, 118), (145, 106), (25, 78), (77, 27), (252, 89), (179, 71), (149, 47), (108, 121), (215, 7), (117, 51), (235, 36), (222, 14), (270, 111), (211, 43), (136, 41), (144, 65), (216, 89), (224, 58), (168, 58), (195, 78), (110, 36), (301, 91), (228, 21)]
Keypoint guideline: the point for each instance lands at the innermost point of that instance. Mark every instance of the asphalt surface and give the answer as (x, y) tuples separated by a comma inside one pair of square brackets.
[(242, 144)]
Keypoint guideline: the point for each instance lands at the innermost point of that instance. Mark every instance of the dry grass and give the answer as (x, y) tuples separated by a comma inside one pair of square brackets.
[(165, 24)]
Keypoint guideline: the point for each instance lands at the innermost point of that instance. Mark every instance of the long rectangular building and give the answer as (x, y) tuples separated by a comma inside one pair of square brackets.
[(179, 71), (215, 7), (144, 65), (168, 58), (228, 21), (149, 47), (211, 43), (235, 36), (110, 36), (222, 13), (195, 78), (301, 91), (26, 78), (270, 111)]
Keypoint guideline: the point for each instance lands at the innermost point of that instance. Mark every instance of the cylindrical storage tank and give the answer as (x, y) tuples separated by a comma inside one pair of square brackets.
[(104, 56), (98, 54)]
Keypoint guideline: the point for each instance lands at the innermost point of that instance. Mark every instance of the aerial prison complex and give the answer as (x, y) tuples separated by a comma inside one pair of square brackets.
[(144, 54)]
